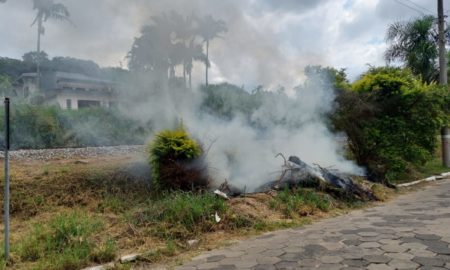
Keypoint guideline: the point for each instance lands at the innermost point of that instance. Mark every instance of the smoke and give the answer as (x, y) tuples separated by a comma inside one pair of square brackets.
[(242, 149)]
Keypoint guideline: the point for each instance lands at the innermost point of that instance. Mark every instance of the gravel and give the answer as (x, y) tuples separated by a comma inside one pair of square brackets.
[(68, 153)]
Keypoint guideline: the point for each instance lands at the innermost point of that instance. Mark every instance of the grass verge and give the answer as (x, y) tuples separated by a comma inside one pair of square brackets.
[(65, 243), (74, 215)]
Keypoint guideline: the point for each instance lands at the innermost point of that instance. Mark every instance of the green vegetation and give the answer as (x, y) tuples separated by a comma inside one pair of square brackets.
[(182, 215), (392, 120), (173, 40), (65, 243), (170, 153), (300, 202), (415, 43), (51, 127), (123, 216)]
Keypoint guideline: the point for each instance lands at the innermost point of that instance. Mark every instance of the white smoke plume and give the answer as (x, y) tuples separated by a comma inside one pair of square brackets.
[(243, 151)]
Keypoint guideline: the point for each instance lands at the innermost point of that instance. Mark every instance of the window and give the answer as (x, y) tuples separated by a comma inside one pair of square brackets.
[(68, 104), (88, 103)]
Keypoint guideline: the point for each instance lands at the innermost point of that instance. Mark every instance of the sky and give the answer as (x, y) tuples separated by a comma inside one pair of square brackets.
[(269, 42)]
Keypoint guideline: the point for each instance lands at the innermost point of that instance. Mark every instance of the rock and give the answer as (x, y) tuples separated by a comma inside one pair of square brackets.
[(193, 242), (129, 258), (101, 267)]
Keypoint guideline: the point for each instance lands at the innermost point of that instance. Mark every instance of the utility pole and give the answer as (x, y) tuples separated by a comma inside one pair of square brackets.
[(442, 51), (6, 194), (445, 131)]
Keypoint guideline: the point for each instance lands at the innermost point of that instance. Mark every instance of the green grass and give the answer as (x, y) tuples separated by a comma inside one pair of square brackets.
[(433, 167), (114, 203), (300, 202), (430, 168), (104, 253), (180, 215), (65, 243)]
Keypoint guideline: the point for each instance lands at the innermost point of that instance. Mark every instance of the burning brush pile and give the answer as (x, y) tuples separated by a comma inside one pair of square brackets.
[(177, 162)]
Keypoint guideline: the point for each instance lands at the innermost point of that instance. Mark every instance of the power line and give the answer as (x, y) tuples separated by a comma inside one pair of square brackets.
[(419, 6), (410, 7)]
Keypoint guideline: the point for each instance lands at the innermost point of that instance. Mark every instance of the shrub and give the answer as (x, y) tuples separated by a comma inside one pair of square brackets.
[(392, 121), (172, 155), (34, 127)]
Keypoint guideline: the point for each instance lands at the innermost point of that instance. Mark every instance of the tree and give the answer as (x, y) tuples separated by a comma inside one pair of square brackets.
[(47, 9), (5, 85), (415, 43), (168, 42), (194, 53), (208, 29), (35, 58)]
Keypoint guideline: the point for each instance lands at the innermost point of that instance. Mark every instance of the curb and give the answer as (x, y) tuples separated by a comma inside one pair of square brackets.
[(428, 179)]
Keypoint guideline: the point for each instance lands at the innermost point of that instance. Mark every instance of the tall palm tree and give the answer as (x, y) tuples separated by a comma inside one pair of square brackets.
[(415, 43), (194, 52), (208, 29), (46, 9)]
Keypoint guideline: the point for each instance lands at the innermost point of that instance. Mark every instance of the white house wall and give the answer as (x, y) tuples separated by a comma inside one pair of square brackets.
[(62, 99)]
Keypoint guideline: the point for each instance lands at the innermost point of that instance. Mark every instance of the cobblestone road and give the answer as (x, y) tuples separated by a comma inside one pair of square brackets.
[(411, 232)]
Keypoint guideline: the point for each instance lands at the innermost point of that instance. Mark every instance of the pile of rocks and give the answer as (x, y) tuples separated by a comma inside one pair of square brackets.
[(67, 153)]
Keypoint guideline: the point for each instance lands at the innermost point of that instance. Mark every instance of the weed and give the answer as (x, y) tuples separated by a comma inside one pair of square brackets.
[(45, 170), (300, 202), (71, 230), (65, 243), (380, 192), (104, 253), (180, 215), (114, 204)]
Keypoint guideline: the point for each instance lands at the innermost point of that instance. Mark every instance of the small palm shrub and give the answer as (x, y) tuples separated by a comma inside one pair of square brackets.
[(174, 158)]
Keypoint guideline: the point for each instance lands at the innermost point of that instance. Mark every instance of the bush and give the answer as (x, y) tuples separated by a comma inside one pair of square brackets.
[(172, 156), (36, 127), (392, 121)]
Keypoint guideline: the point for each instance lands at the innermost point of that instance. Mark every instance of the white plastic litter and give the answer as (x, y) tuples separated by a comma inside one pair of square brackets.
[(218, 219)]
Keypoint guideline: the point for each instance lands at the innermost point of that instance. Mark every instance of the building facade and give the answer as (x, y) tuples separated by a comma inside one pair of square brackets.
[(68, 90)]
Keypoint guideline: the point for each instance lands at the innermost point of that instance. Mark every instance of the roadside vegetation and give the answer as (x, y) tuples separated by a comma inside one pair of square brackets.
[(68, 215), (39, 127)]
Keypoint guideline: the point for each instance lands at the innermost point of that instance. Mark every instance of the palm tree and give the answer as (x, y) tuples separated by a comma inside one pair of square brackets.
[(46, 9), (415, 44), (208, 29), (194, 52)]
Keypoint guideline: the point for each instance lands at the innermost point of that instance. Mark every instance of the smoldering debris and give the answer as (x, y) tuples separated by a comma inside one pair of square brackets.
[(296, 173)]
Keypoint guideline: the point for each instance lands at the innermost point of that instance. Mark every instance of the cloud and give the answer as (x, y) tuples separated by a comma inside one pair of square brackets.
[(289, 5), (269, 42)]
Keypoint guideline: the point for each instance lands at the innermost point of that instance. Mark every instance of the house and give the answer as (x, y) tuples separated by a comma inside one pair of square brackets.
[(68, 90)]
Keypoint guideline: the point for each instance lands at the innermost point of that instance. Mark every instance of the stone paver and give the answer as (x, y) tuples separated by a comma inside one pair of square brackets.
[(411, 232)]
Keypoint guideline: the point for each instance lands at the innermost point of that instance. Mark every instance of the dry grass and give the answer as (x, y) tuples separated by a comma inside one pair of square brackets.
[(113, 190)]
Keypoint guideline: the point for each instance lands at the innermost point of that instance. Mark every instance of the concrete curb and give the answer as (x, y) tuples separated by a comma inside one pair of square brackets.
[(428, 179)]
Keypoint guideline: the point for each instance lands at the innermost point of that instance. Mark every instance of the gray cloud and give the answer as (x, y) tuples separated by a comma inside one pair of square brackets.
[(289, 5), (269, 41)]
